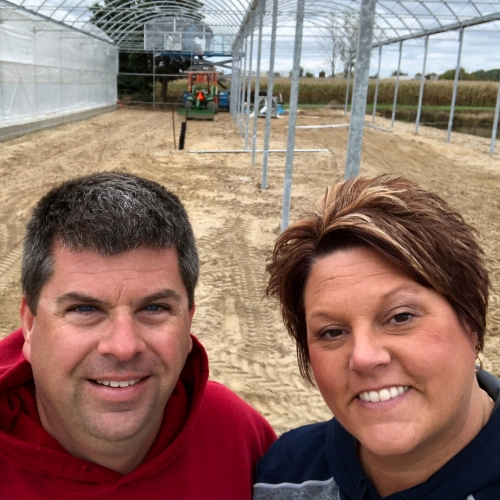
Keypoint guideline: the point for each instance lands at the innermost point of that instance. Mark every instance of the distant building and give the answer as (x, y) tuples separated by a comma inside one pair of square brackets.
[(322, 74), (403, 77), (266, 73)]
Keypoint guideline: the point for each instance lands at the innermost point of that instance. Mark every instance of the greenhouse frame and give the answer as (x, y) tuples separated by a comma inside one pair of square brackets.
[(59, 58)]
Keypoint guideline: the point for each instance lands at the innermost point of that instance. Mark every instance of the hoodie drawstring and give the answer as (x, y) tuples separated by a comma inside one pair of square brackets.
[(359, 492)]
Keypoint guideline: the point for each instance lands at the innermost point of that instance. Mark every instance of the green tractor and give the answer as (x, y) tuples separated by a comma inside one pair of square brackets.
[(201, 98)]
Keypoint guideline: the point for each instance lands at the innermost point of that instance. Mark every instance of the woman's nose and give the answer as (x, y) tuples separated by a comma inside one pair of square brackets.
[(368, 351)]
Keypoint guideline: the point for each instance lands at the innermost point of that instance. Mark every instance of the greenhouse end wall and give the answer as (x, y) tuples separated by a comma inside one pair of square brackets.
[(48, 71)]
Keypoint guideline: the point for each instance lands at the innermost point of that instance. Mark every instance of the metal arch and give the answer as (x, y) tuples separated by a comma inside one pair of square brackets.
[(383, 30), (396, 20), (107, 19)]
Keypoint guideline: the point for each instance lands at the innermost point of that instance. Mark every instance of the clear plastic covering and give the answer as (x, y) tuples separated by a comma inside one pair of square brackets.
[(47, 69)]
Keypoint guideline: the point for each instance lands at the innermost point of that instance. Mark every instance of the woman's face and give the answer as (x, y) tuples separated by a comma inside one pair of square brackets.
[(391, 358)]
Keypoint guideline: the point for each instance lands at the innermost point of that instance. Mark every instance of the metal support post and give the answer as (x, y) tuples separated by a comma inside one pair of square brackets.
[(292, 114), (262, 6), (154, 81), (154, 70), (232, 90), (243, 85), (495, 123), (249, 78), (269, 101), (396, 90), (375, 97), (238, 83), (422, 81), (348, 84), (358, 108), (455, 84)]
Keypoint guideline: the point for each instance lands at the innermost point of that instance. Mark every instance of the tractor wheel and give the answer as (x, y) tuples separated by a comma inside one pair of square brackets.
[(211, 106), (189, 104)]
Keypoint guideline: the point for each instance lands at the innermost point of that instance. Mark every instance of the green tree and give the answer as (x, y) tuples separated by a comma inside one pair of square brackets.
[(450, 75), (116, 18), (309, 74), (401, 73), (492, 75)]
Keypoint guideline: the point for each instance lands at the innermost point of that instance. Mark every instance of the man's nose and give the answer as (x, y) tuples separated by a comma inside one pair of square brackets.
[(123, 339), (368, 350)]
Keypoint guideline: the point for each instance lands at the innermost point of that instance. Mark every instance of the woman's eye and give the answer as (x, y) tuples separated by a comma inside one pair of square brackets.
[(332, 333), (401, 317)]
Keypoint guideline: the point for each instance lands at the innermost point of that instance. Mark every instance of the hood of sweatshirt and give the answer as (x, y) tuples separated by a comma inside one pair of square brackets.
[(23, 439), (472, 470)]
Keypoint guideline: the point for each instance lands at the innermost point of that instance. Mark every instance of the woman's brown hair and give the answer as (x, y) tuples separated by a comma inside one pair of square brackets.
[(415, 229)]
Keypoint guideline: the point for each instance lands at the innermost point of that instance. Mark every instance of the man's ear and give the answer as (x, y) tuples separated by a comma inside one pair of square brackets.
[(27, 321)]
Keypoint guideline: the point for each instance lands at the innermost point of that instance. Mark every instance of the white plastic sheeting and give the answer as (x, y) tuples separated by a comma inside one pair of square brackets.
[(48, 70)]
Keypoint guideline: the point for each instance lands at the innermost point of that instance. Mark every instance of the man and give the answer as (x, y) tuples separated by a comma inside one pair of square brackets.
[(103, 392)]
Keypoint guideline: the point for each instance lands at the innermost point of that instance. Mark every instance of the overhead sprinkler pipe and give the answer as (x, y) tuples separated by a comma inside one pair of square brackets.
[(214, 151)]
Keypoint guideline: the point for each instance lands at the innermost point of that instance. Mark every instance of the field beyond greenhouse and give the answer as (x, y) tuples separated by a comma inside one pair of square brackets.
[(325, 90), (236, 223)]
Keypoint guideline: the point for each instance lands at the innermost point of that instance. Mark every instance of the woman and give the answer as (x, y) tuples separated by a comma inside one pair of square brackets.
[(384, 289)]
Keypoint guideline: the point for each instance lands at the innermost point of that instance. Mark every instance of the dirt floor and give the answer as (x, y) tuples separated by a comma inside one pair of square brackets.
[(236, 222)]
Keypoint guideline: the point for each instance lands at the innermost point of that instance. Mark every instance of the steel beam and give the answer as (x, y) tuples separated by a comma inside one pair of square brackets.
[(455, 85), (249, 78), (375, 97), (396, 89), (270, 82), (348, 84), (358, 108), (292, 114), (261, 10), (495, 123), (422, 81)]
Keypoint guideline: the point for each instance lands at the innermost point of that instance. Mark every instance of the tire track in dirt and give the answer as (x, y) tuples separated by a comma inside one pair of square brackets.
[(253, 361), (10, 267)]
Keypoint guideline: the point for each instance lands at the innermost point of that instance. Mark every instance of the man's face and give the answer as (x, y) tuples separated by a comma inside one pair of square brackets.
[(107, 345)]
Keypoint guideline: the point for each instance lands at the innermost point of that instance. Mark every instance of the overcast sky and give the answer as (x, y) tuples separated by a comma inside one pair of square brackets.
[(480, 51)]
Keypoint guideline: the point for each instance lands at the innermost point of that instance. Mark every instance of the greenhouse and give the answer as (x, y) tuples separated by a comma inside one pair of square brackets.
[(59, 58)]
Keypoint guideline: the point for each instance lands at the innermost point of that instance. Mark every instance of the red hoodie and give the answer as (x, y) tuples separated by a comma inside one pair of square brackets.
[(206, 449)]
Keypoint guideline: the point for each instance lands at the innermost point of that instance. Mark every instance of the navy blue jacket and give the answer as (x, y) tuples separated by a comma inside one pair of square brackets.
[(320, 462)]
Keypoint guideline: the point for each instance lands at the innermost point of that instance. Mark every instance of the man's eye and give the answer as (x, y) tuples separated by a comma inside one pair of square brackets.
[(401, 317), (154, 308), (84, 309)]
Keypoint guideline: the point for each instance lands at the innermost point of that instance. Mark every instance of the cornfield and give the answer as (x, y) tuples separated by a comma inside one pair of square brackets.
[(325, 90)]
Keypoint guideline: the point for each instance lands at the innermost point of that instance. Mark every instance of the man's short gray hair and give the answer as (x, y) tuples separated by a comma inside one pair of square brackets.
[(110, 213)]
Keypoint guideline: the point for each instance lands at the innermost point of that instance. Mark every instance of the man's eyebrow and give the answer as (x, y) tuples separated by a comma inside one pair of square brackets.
[(72, 297), (167, 293)]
